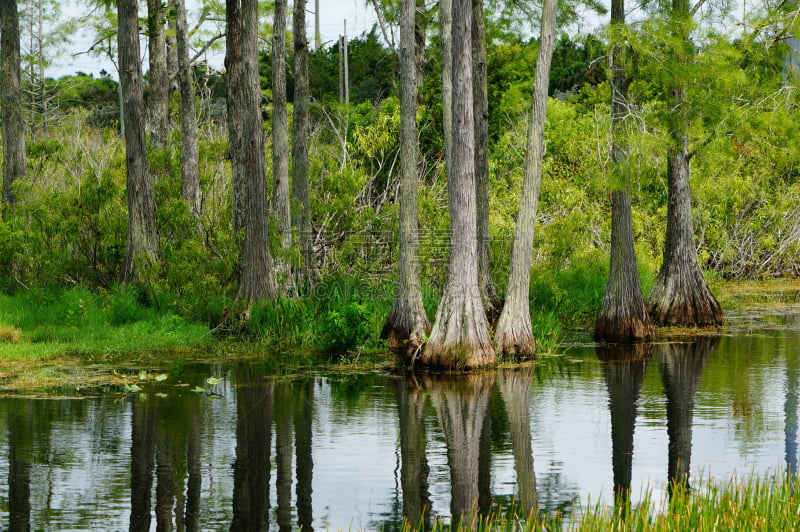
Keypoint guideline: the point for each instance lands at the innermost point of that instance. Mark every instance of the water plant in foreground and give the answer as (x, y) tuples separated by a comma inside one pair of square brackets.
[(767, 502)]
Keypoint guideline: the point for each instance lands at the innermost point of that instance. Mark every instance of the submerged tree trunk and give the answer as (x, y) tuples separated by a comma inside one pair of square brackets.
[(623, 368), (14, 165), (680, 295), (407, 325), (460, 335), (300, 130), (159, 78), (490, 300), (142, 233), (623, 315), (190, 174), (514, 334), (257, 280), (280, 128)]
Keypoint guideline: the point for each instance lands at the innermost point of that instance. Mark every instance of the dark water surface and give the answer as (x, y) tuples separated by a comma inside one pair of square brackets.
[(358, 452)]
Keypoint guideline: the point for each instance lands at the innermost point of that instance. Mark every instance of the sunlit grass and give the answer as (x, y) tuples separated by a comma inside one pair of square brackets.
[(767, 503)]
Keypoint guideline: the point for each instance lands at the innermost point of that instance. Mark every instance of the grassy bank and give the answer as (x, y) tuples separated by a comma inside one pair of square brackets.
[(764, 503), (49, 336)]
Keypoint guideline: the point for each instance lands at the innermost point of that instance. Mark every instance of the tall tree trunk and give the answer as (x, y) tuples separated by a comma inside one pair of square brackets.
[(234, 99), (514, 334), (300, 131), (142, 232), (446, 23), (623, 315), (407, 325), (460, 334), (489, 297), (14, 165), (159, 78), (190, 173), (623, 368), (682, 365), (257, 280), (280, 128), (680, 295), (420, 37)]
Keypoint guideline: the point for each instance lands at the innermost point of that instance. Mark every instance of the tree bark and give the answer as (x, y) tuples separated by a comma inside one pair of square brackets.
[(142, 232), (446, 23), (280, 128), (460, 334), (257, 280), (14, 164), (159, 78), (491, 303), (680, 295), (190, 173), (514, 334), (420, 37), (623, 315), (300, 130), (234, 100), (407, 325)]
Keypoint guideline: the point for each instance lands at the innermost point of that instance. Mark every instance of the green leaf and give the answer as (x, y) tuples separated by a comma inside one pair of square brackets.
[(133, 388), (198, 389), (213, 381), (161, 377)]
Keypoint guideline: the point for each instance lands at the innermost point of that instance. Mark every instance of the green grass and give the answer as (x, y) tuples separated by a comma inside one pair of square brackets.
[(764, 503), (51, 323)]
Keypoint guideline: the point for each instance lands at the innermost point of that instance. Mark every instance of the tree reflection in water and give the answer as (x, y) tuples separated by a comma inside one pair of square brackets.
[(623, 367), (254, 408), (681, 365), (515, 388), (413, 447), (166, 435), (461, 404)]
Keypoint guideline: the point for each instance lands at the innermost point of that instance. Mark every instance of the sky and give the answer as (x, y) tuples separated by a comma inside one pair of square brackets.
[(360, 18)]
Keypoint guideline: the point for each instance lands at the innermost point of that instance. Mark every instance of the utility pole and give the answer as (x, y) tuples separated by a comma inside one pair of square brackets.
[(346, 69), (341, 69), (317, 35)]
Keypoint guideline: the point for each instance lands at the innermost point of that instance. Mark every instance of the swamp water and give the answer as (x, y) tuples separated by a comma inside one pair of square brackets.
[(329, 451)]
